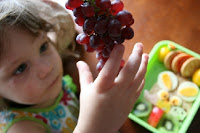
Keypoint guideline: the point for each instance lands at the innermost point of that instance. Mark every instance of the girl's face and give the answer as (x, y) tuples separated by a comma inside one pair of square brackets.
[(30, 69)]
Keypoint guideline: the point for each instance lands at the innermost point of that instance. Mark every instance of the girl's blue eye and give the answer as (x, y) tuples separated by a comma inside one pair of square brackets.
[(44, 47), (21, 69)]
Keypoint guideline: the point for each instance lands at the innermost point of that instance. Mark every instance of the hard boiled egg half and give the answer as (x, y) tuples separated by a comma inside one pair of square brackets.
[(167, 80), (188, 91)]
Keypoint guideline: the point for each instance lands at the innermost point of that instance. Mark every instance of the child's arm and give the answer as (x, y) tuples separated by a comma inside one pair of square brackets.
[(106, 102), (26, 126)]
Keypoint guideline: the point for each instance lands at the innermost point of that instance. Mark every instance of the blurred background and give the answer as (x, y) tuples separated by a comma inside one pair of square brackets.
[(156, 20)]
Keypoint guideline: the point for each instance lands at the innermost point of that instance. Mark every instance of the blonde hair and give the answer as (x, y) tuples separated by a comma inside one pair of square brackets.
[(36, 15)]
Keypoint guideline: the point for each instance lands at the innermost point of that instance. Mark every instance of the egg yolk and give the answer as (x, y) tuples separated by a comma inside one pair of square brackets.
[(164, 95), (189, 92), (174, 101), (167, 81)]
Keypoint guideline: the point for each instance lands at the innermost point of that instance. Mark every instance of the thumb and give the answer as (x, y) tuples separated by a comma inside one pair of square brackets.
[(85, 75)]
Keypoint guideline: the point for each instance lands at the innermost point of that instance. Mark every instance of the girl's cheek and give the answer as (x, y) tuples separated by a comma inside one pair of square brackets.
[(18, 82), (25, 86), (21, 80), (55, 58)]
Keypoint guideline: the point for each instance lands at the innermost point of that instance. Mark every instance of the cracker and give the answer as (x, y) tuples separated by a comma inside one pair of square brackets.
[(190, 66), (169, 57), (178, 61)]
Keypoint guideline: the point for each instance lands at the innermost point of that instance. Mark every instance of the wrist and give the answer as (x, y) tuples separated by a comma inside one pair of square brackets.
[(79, 129), (76, 130)]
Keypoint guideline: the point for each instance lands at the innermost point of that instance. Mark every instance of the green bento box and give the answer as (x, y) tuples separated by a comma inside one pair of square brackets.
[(155, 66)]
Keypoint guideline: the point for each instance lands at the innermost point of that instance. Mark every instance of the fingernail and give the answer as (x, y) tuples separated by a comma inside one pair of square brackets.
[(78, 64), (146, 56), (139, 45)]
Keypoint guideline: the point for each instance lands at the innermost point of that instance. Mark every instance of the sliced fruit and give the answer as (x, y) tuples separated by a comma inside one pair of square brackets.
[(196, 77), (142, 108), (190, 66), (188, 91), (178, 61), (155, 116), (168, 124), (169, 57), (167, 80), (178, 113), (163, 52)]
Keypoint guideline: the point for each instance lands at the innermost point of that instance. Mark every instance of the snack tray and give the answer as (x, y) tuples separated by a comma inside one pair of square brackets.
[(154, 68)]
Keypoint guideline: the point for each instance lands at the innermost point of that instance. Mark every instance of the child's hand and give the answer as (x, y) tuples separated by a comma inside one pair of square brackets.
[(106, 102)]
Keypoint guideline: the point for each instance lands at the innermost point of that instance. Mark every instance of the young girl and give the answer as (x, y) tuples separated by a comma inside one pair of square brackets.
[(36, 98)]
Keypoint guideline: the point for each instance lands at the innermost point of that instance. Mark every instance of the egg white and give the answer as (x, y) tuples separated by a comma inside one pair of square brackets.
[(173, 79)]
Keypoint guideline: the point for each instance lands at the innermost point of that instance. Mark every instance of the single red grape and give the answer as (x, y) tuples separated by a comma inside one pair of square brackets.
[(120, 40), (101, 45), (74, 3), (114, 28), (77, 12), (99, 55), (105, 53), (89, 24), (100, 64), (94, 41), (80, 21), (83, 38), (125, 18), (88, 48), (87, 10), (68, 7), (101, 27), (105, 4), (116, 6), (78, 38), (127, 33)]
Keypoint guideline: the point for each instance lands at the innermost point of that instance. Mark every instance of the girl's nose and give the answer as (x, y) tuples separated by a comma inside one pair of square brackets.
[(45, 69)]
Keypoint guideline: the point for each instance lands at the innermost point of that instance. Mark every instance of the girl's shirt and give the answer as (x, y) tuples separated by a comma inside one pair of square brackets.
[(61, 117)]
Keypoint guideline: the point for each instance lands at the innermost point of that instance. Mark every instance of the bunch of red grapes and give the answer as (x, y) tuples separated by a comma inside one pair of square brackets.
[(105, 24)]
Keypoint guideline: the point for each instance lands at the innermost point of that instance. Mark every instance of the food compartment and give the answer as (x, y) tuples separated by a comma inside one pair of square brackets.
[(170, 98)]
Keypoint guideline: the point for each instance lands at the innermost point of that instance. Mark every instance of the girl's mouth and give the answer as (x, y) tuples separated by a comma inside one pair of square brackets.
[(54, 81)]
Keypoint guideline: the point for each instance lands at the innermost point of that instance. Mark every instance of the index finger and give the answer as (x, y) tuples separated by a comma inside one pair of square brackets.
[(110, 70), (129, 71)]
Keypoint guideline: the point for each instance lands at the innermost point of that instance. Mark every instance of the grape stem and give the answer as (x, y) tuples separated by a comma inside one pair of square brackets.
[(92, 2), (94, 5)]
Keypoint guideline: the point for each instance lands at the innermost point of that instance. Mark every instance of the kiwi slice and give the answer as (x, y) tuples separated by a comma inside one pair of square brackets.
[(168, 124), (142, 108)]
